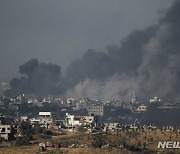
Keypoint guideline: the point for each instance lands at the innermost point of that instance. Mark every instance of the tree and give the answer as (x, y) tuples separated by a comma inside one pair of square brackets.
[(26, 132), (26, 128), (98, 140)]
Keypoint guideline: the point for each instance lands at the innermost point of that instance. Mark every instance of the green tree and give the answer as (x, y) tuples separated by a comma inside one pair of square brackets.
[(26, 128), (26, 132), (98, 140)]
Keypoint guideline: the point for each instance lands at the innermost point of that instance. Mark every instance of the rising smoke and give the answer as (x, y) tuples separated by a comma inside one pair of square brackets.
[(37, 79), (112, 74), (147, 61)]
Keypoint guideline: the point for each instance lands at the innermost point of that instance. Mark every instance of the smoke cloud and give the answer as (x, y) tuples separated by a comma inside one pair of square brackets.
[(146, 61), (37, 79)]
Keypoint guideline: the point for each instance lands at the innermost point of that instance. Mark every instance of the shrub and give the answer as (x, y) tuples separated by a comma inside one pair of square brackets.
[(22, 140), (38, 129), (82, 129), (98, 140), (26, 128)]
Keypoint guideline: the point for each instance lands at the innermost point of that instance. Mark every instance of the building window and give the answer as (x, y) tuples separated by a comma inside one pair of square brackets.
[(3, 130)]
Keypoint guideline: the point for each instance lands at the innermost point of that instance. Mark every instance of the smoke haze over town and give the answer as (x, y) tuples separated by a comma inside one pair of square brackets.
[(97, 76), (147, 59)]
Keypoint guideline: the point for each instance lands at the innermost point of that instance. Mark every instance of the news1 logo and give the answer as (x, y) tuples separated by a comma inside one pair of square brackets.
[(168, 145)]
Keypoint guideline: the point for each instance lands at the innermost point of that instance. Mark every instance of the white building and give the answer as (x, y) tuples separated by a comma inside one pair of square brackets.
[(45, 114), (24, 118), (135, 98), (72, 120), (6, 132), (111, 126), (155, 100), (44, 119), (141, 108), (70, 102)]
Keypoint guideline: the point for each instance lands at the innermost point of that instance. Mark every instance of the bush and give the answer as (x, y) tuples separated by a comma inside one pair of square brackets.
[(38, 129), (47, 132), (26, 131), (132, 148), (98, 140), (26, 128), (22, 140), (82, 129)]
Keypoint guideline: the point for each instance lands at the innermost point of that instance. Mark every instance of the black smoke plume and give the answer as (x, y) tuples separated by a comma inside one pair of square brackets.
[(38, 79), (147, 61)]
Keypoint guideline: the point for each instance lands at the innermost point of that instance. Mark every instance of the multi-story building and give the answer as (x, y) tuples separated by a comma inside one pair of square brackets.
[(44, 118), (95, 109), (72, 120), (6, 132), (82, 104)]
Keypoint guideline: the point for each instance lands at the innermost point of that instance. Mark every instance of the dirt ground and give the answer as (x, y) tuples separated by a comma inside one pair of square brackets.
[(137, 139), (34, 150)]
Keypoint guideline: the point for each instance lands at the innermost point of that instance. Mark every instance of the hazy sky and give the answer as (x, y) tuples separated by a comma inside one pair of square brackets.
[(59, 31)]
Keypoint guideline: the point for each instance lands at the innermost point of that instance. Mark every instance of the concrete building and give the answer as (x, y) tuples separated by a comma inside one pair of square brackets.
[(70, 102), (72, 120), (82, 104), (6, 132), (45, 114), (155, 100), (141, 108), (115, 104), (110, 126), (135, 98), (5, 86), (95, 109), (44, 119), (24, 118)]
